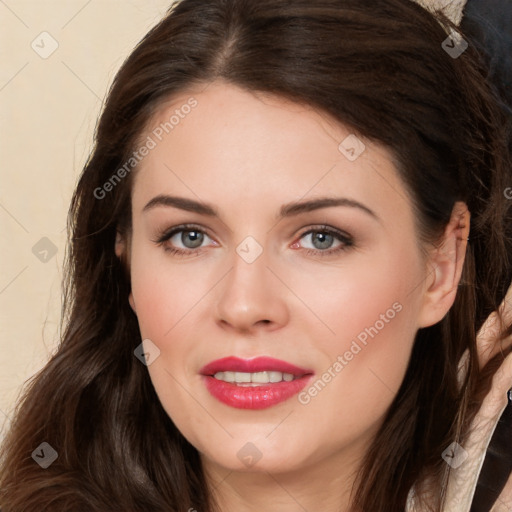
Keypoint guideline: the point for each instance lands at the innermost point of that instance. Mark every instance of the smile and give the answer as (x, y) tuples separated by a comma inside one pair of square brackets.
[(256, 383), (243, 378)]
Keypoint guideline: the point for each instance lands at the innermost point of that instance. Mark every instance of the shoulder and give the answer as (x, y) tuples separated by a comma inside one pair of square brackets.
[(488, 440), (480, 477), (494, 487)]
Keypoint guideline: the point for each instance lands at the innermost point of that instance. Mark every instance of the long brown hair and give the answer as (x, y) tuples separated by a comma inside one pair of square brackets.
[(378, 67)]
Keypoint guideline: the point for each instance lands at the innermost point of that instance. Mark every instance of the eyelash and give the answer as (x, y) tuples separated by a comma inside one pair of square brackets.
[(347, 241)]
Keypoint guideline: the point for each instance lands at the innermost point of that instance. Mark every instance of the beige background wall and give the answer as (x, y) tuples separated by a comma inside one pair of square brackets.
[(49, 104)]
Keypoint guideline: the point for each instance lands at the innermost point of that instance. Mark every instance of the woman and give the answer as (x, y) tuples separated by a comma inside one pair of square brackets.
[(272, 299)]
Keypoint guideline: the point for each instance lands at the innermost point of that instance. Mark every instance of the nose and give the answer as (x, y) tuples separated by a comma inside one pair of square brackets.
[(252, 297)]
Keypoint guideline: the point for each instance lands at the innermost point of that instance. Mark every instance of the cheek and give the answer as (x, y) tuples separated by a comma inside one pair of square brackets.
[(167, 299), (371, 313), (165, 293), (375, 295)]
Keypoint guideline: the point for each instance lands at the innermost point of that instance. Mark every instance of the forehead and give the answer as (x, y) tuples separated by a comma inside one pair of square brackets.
[(224, 142)]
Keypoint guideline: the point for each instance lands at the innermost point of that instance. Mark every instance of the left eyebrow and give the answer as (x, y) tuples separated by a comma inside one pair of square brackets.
[(287, 210), (295, 208)]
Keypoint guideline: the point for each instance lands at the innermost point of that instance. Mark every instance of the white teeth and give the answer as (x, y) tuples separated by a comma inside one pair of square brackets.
[(229, 376), (242, 377), (275, 376), (254, 378), (260, 377)]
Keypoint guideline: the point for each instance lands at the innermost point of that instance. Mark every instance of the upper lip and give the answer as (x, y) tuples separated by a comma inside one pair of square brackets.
[(258, 364)]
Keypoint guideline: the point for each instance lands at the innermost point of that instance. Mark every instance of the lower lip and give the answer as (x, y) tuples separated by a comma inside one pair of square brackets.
[(254, 397)]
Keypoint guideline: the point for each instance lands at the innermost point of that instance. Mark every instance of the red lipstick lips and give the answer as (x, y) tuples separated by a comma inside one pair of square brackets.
[(253, 383), (258, 364)]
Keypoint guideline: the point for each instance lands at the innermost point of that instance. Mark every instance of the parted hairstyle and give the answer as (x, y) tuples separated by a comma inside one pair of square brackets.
[(379, 68)]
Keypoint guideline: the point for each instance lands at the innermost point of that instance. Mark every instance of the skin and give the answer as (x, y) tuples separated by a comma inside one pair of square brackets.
[(247, 154)]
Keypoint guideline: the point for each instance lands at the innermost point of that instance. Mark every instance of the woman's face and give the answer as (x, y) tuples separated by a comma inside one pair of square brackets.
[(332, 293)]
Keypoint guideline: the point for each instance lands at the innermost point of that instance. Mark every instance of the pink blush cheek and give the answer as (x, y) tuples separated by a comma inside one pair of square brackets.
[(361, 393), (375, 374), (164, 300), (375, 328)]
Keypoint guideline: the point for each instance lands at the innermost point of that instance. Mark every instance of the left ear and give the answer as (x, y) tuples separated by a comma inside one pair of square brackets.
[(445, 265)]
